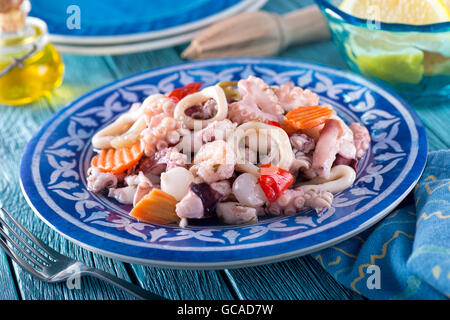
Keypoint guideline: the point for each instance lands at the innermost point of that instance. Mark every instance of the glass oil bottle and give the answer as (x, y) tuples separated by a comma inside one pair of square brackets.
[(30, 67)]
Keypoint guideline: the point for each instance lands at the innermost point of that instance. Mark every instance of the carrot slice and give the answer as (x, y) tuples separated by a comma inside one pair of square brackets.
[(118, 160), (307, 117), (156, 207)]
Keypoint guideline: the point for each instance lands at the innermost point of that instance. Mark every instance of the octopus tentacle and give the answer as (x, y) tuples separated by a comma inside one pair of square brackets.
[(158, 104), (318, 199), (301, 161), (258, 102), (165, 133), (98, 180), (361, 138), (291, 97), (217, 130), (290, 202)]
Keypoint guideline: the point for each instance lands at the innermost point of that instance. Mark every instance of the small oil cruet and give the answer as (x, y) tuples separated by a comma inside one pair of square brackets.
[(30, 67)]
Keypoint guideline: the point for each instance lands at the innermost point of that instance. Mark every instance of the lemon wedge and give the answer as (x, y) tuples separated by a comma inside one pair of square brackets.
[(386, 60), (447, 3), (438, 62), (399, 11), (435, 63)]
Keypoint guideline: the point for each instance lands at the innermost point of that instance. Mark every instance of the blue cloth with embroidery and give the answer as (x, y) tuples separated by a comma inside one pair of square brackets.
[(410, 247)]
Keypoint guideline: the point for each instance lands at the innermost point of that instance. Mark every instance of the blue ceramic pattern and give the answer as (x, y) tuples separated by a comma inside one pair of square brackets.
[(54, 164)]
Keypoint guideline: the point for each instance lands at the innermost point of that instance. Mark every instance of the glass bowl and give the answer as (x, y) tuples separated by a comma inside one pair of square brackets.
[(414, 60)]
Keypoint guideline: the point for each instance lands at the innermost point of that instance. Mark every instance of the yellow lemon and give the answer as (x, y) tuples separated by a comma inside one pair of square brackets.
[(399, 11), (447, 3)]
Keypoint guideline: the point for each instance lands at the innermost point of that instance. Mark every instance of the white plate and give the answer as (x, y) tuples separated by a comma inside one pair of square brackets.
[(127, 47)]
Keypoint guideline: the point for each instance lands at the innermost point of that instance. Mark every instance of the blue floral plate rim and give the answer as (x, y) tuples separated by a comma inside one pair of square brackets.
[(226, 247)]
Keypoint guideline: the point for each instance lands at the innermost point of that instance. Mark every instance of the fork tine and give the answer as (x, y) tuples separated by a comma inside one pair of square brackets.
[(50, 251), (28, 245), (24, 264), (19, 248)]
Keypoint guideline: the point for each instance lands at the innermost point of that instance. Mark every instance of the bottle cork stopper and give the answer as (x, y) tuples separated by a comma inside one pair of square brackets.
[(12, 17)]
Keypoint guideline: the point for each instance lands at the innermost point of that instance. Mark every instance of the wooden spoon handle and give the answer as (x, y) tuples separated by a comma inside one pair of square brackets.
[(304, 26)]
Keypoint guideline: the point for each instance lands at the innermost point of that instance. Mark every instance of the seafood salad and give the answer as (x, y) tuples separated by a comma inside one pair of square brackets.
[(236, 150)]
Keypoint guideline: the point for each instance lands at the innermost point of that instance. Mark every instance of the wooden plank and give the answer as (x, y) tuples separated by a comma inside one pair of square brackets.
[(301, 278), (435, 117), (124, 65), (184, 284), (9, 184), (9, 291)]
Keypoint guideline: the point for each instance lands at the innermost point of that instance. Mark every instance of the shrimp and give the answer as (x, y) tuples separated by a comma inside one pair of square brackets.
[(214, 161)]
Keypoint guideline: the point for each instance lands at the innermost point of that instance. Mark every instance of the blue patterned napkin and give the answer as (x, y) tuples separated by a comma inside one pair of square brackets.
[(407, 254)]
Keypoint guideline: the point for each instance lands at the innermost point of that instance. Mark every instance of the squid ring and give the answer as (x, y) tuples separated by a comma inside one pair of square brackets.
[(213, 92), (131, 136), (341, 177), (103, 139), (277, 135)]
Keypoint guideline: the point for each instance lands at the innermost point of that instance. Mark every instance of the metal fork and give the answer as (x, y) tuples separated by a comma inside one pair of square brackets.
[(49, 265)]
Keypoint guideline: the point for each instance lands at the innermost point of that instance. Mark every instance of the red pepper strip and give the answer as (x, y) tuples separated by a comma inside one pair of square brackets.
[(274, 123), (274, 181), (286, 128), (179, 93)]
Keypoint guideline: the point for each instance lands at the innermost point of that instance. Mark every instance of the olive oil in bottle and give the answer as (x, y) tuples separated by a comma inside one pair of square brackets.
[(30, 67)]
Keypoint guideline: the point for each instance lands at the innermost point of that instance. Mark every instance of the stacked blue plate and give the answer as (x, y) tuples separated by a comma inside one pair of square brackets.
[(106, 27)]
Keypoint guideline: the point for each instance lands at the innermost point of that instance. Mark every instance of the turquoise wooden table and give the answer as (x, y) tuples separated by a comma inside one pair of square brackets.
[(300, 278)]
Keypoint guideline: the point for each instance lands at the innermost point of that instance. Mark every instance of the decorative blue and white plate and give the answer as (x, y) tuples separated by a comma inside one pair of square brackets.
[(53, 171)]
